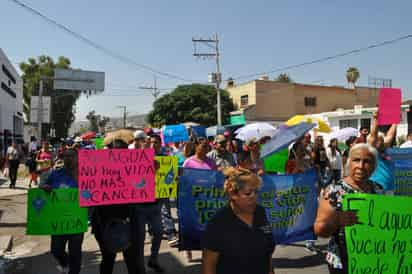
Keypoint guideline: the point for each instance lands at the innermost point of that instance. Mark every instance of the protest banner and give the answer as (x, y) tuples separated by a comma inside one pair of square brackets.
[(401, 159), (389, 111), (116, 176), (166, 177), (175, 133), (276, 162), (55, 213), (381, 241), (290, 202), (99, 143), (200, 195)]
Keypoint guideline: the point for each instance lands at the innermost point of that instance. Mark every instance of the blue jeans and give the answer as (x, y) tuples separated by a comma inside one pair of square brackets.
[(72, 260), (149, 214)]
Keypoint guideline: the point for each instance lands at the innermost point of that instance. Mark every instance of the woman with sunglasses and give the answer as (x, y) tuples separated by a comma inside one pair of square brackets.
[(238, 239)]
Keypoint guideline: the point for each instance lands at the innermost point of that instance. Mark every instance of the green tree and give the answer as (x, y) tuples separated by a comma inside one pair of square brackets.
[(284, 78), (62, 113), (352, 75), (195, 103), (96, 122)]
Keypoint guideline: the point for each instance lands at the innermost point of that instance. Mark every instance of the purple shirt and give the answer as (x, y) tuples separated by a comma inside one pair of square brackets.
[(193, 162)]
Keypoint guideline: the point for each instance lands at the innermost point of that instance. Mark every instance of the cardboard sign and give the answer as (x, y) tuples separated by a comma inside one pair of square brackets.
[(276, 162), (290, 203), (389, 111), (402, 168), (175, 133), (381, 242), (55, 213), (166, 177), (116, 176)]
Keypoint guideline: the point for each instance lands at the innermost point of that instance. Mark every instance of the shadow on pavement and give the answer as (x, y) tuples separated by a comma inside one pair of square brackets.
[(45, 264), (12, 225)]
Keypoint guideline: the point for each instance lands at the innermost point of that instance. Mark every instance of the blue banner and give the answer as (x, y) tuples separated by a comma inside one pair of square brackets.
[(290, 202), (401, 159), (175, 133), (199, 131), (200, 195)]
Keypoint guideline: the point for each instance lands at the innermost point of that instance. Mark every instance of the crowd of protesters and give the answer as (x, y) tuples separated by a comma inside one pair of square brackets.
[(361, 167)]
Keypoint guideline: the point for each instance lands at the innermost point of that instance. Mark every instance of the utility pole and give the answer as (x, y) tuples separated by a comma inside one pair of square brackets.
[(215, 77), (155, 91), (124, 115)]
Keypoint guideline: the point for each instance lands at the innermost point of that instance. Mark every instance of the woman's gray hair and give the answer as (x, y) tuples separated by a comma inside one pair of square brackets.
[(360, 146)]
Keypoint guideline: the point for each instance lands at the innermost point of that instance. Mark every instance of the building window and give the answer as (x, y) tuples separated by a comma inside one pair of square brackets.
[(244, 100), (365, 123), (348, 123), (9, 75), (8, 90), (310, 101)]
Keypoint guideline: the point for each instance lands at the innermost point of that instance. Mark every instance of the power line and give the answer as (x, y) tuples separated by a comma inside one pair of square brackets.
[(99, 47), (320, 60)]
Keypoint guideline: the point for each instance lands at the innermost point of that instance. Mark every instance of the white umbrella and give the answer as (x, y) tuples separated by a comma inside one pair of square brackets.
[(344, 133), (255, 130)]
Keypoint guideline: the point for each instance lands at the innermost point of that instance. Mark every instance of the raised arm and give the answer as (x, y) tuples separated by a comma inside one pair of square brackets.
[(373, 135)]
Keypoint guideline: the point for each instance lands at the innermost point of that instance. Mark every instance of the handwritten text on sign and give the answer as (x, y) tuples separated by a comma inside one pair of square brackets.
[(381, 242), (55, 213), (116, 176), (402, 165), (166, 177)]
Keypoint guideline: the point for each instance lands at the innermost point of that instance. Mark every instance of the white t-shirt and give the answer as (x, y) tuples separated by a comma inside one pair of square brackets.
[(406, 144), (12, 153), (335, 161)]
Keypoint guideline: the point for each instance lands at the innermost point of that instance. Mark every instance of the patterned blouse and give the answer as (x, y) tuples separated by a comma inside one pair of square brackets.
[(336, 255)]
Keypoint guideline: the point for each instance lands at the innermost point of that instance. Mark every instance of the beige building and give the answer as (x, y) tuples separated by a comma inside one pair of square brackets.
[(266, 100)]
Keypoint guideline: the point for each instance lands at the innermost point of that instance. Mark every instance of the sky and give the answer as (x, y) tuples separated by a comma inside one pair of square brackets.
[(255, 37)]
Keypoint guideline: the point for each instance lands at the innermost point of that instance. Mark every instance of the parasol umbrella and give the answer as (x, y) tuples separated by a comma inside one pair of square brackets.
[(88, 135), (344, 133), (124, 135), (297, 119), (255, 130), (284, 137)]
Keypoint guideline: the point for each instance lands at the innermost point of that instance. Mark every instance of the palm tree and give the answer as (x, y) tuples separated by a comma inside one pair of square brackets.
[(352, 75)]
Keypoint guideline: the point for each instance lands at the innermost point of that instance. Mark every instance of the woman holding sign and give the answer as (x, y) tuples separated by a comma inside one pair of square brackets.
[(239, 238), (331, 220)]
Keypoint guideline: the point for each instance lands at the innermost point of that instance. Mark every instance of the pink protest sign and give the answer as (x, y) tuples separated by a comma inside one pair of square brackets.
[(389, 111), (116, 176)]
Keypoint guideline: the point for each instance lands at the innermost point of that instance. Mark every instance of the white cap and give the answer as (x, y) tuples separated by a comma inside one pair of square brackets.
[(139, 134), (77, 139)]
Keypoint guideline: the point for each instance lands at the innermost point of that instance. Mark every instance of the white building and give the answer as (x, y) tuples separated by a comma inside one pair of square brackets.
[(11, 103), (360, 117)]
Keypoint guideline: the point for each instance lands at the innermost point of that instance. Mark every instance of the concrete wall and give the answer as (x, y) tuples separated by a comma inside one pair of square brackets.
[(237, 92)]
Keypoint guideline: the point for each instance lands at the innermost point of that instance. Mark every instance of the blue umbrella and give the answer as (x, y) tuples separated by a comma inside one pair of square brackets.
[(284, 137)]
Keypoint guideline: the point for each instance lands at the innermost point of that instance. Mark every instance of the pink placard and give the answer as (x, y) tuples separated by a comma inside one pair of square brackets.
[(116, 176), (389, 111)]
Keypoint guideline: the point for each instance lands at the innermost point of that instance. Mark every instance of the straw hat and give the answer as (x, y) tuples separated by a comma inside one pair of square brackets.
[(124, 135)]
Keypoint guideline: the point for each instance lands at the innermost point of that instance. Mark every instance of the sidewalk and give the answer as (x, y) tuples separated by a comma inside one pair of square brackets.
[(22, 185)]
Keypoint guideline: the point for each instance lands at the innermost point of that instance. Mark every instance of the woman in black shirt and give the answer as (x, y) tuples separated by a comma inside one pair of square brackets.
[(239, 238)]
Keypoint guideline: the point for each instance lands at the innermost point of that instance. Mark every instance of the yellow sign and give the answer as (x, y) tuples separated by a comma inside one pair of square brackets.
[(166, 177)]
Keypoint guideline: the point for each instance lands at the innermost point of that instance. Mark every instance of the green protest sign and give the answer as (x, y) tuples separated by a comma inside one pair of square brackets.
[(382, 241), (276, 162), (166, 177), (55, 213), (99, 143)]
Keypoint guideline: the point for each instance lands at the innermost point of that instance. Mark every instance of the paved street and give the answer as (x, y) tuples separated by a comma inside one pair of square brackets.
[(30, 254)]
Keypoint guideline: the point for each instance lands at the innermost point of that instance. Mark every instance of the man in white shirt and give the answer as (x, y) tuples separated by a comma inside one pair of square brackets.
[(408, 143), (12, 158)]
